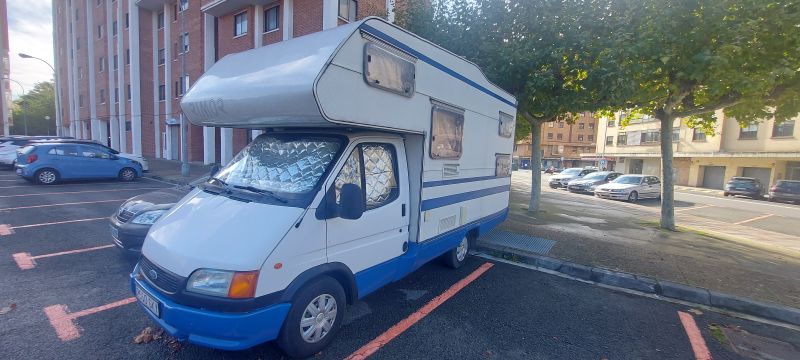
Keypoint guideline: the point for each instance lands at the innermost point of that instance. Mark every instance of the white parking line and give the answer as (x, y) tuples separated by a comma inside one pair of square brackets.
[(753, 219), (26, 262), (6, 229), (79, 192), (70, 184), (61, 204)]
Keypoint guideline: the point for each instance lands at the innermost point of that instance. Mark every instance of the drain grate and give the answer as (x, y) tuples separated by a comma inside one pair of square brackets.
[(518, 241)]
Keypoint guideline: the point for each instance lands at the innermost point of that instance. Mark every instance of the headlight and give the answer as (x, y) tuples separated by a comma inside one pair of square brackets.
[(618, 190), (593, 187), (223, 283), (148, 217)]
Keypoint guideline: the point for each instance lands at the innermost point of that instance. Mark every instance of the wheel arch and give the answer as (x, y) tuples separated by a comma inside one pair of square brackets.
[(338, 271)]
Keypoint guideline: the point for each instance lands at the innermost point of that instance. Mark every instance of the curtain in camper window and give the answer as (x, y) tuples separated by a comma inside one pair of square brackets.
[(447, 130)]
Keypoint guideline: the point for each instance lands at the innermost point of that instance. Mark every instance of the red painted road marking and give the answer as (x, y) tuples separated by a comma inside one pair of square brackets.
[(64, 322), (25, 261), (753, 219), (393, 332), (80, 192), (695, 338), (61, 204), (5, 229), (52, 223)]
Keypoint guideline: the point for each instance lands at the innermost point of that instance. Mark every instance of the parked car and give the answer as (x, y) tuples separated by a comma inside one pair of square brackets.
[(48, 163), (746, 186), (10, 144), (564, 177), (137, 158), (631, 188), (785, 190), (588, 183), (552, 170)]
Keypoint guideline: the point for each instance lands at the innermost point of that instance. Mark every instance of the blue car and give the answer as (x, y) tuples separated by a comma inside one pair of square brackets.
[(47, 163)]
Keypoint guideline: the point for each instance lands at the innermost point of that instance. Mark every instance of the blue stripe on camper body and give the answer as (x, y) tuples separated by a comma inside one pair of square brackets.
[(381, 35), (435, 183), (438, 202)]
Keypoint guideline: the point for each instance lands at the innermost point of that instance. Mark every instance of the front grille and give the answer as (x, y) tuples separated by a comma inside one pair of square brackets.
[(164, 280), (124, 216)]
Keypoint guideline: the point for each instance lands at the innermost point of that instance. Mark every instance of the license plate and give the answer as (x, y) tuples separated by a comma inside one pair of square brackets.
[(114, 232), (740, 189), (19, 171), (147, 300)]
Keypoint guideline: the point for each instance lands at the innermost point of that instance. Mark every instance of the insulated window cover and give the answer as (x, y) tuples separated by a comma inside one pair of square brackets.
[(447, 131), (506, 125), (388, 70), (502, 165)]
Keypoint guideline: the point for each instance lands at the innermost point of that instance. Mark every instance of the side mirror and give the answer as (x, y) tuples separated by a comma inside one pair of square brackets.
[(113, 157), (214, 170), (351, 202)]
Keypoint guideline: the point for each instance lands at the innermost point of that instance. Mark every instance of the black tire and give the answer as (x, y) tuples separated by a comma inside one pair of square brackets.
[(633, 197), (127, 174), (46, 176), (291, 340), (458, 255)]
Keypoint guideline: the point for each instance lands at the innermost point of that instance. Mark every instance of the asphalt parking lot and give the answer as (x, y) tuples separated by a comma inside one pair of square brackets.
[(73, 301)]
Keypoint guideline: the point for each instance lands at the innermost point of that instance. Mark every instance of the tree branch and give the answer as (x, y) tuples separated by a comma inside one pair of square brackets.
[(729, 100)]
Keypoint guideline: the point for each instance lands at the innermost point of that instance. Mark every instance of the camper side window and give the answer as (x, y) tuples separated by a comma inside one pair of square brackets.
[(506, 125), (388, 70), (372, 168), (447, 131)]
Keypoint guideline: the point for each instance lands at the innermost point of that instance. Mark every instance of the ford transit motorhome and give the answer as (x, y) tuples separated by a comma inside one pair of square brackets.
[(381, 151)]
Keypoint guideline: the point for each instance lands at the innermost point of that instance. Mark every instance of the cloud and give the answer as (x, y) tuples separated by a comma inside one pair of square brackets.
[(30, 30)]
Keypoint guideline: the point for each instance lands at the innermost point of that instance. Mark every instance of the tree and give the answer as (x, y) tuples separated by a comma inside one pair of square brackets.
[(545, 52), (33, 107), (688, 59)]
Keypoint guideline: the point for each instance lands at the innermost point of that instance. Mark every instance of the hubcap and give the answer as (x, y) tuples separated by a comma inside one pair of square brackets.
[(318, 318), (127, 175), (632, 197), (461, 251), (47, 177)]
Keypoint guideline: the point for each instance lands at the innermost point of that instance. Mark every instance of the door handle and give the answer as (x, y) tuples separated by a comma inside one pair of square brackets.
[(403, 210)]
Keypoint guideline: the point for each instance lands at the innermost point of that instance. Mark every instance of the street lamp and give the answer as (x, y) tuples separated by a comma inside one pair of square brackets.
[(57, 92), (24, 104)]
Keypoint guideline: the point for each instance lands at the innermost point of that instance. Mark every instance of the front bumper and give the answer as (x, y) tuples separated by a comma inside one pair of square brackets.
[(611, 195), (225, 331), (580, 189), (129, 237), (751, 193)]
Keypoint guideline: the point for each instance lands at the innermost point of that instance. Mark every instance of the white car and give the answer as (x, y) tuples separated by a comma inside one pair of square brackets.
[(8, 149), (631, 188)]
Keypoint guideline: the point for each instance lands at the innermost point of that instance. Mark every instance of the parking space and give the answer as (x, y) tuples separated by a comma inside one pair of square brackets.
[(72, 300)]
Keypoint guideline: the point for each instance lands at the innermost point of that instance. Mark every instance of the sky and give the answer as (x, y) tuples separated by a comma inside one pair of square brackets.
[(30, 31)]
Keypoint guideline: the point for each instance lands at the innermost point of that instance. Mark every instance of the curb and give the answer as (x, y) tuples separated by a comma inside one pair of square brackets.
[(166, 179), (647, 285)]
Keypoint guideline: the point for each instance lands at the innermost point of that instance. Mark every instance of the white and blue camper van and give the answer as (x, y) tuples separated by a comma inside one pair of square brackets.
[(380, 151)]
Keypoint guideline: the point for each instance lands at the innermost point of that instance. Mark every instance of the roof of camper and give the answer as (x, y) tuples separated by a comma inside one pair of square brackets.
[(274, 85)]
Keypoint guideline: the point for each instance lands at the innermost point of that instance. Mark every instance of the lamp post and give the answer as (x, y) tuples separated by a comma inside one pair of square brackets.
[(24, 104), (57, 92)]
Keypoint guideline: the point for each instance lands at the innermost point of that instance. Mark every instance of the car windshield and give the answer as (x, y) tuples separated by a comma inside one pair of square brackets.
[(595, 176), (571, 171), (290, 164), (628, 180)]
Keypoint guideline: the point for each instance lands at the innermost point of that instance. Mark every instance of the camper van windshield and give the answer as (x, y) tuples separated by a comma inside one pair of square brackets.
[(288, 164)]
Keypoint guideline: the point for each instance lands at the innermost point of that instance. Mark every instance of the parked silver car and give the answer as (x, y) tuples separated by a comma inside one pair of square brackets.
[(631, 188), (564, 177), (590, 182)]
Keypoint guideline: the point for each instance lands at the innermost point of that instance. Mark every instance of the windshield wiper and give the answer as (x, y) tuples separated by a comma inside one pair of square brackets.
[(261, 192)]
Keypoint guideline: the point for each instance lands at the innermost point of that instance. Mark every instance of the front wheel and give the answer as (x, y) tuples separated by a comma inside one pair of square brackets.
[(127, 174), (456, 257), (633, 196), (316, 316)]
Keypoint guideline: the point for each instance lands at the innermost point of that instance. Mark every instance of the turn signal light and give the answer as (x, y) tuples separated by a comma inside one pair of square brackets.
[(243, 285), (32, 158)]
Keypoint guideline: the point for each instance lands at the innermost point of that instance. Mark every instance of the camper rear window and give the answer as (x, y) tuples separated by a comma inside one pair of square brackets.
[(447, 131), (388, 70)]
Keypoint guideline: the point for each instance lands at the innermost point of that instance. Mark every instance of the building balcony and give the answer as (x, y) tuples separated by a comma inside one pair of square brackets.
[(223, 7)]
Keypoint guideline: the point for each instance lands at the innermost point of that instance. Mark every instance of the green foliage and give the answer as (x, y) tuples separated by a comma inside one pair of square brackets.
[(34, 106), (523, 129)]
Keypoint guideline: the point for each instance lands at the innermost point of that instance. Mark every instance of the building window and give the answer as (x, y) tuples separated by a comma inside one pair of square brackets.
[(100, 31), (271, 19), (749, 132), (574, 149), (561, 124), (348, 10), (77, 14), (783, 129), (447, 130), (580, 137), (80, 72), (128, 91), (610, 123), (610, 140), (551, 124), (650, 137), (549, 136), (622, 138), (80, 100), (591, 138), (240, 24), (559, 136), (114, 28), (698, 135), (676, 135), (175, 12), (127, 56), (591, 126), (102, 96), (181, 85), (116, 58), (116, 95), (184, 5), (162, 92), (161, 20), (101, 64), (581, 126), (185, 41), (77, 43), (556, 149), (127, 21), (161, 56)]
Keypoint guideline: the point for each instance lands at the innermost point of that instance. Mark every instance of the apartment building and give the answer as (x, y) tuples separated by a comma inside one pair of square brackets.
[(123, 65), (767, 151), (562, 144), (5, 72)]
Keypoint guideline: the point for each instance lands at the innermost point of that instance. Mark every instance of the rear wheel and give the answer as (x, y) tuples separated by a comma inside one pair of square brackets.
[(46, 176), (456, 257), (633, 197), (316, 316), (127, 174)]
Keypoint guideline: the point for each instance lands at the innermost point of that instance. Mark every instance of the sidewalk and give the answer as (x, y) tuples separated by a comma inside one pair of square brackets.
[(713, 255), (170, 171)]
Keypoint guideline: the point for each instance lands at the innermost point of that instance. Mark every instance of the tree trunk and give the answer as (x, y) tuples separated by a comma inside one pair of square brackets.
[(667, 172), (536, 165)]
